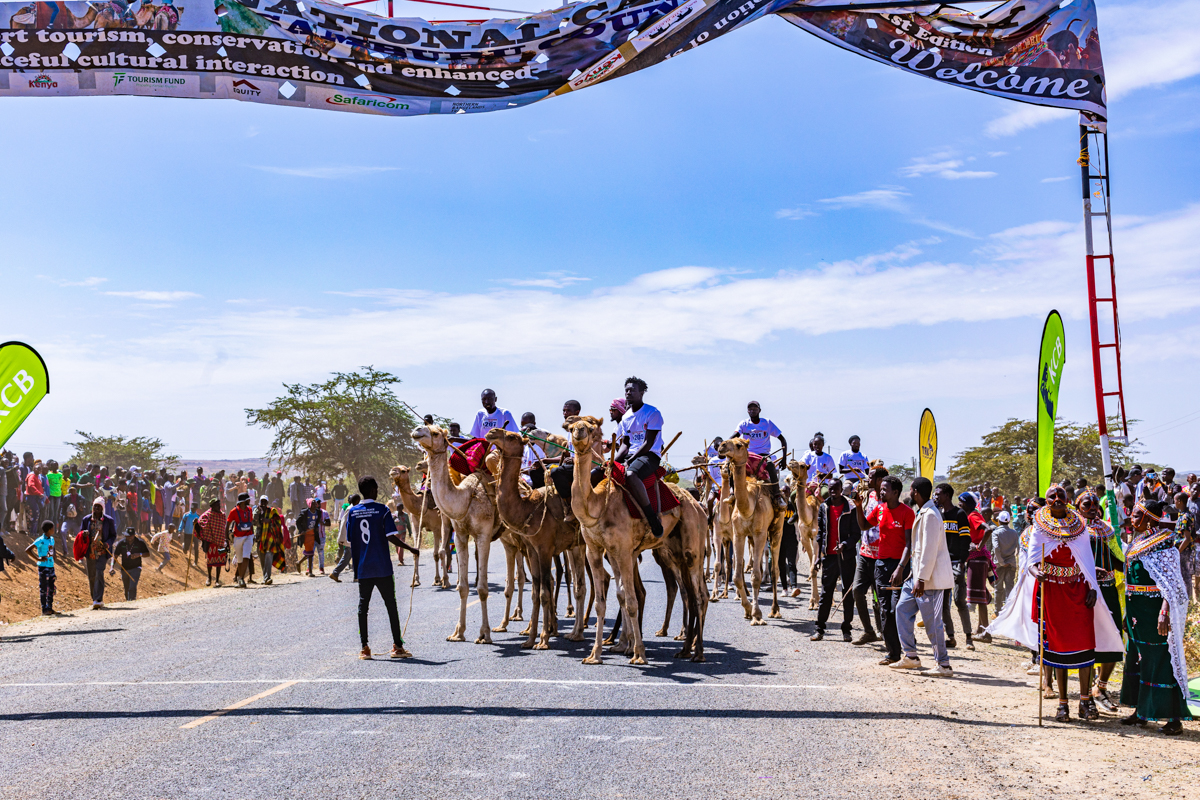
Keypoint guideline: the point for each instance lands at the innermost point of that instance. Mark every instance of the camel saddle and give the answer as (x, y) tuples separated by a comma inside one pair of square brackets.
[(469, 456), (756, 467), (662, 499)]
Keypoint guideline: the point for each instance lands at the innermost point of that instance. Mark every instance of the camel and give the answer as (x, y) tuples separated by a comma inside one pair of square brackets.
[(750, 515), (37, 16), (426, 517), (537, 519), (514, 561), (806, 526), (722, 533), (470, 507), (609, 530)]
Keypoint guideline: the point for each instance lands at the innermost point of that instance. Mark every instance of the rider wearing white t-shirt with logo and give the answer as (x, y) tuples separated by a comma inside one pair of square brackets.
[(757, 432), (491, 416), (817, 460), (639, 448), (853, 465)]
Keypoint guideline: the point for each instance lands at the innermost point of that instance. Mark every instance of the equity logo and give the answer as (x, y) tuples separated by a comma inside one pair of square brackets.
[(246, 87), (43, 81)]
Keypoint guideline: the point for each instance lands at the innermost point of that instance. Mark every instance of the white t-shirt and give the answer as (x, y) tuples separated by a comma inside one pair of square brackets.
[(758, 434), (533, 452), (858, 461), (484, 422), (714, 465), (635, 424), (817, 463)]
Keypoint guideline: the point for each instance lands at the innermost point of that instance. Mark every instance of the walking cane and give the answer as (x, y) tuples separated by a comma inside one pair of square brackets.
[(1041, 634)]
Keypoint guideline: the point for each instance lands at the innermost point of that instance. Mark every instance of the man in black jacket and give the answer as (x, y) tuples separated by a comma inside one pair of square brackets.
[(837, 542), (958, 542)]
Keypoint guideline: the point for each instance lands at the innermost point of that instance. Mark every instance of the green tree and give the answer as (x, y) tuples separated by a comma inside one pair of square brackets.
[(904, 472), (352, 423), (120, 451), (1007, 457)]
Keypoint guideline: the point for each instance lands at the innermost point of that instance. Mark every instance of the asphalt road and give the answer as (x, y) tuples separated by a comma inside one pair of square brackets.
[(120, 702)]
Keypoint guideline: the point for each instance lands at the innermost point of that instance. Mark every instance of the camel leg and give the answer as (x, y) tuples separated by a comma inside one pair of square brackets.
[(600, 592), (759, 543), (483, 548), (510, 560), (672, 586), (810, 549), (520, 586), (459, 634), (571, 572), (576, 559), (558, 576), (775, 541), (633, 615), (614, 636), (544, 596), (739, 576), (535, 608)]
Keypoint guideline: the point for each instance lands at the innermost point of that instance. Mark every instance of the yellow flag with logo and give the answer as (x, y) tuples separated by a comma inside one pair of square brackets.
[(928, 444), (23, 383)]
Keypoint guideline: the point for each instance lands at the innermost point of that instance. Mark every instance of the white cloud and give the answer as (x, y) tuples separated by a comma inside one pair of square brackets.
[(1023, 117), (550, 280), (1059, 179), (942, 166), (155, 297), (889, 198), (325, 173), (86, 282), (795, 213)]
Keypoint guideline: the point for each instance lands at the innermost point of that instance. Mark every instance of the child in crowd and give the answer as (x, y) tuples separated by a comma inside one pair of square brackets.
[(163, 538), (42, 551)]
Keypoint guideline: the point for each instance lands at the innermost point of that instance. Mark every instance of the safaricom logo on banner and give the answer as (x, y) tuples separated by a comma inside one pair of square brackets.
[(600, 70), (372, 101)]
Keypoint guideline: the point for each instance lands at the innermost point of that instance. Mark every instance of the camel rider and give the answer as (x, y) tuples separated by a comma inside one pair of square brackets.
[(820, 464), (455, 434), (714, 463), (561, 476), (758, 432), (534, 456), (853, 465), (491, 416), (639, 448)]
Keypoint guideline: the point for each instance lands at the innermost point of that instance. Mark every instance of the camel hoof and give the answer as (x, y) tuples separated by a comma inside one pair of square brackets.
[(500, 628), (713, 599), (758, 621), (527, 645), (519, 616), (570, 613), (699, 658), (680, 637), (484, 640), (662, 632), (683, 654), (609, 642), (749, 615), (775, 614), (541, 646), (415, 584), (572, 637), (456, 637), (592, 660), (638, 661)]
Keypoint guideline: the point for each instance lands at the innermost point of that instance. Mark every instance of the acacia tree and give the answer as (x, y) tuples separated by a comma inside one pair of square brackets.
[(120, 451), (1007, 458), (350, 424)]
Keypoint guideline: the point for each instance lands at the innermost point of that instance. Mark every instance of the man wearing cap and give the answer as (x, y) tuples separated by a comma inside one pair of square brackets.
[(240, 530), (102, 536), (1005, 542), (758, 432), (852, 464), (491, 416)]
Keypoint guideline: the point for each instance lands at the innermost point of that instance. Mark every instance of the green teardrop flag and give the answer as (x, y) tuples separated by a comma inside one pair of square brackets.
[(23, 383), (1051, 358), (928, 444)]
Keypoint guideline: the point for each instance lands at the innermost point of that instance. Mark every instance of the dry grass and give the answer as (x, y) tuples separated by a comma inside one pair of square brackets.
[(1191, 639)]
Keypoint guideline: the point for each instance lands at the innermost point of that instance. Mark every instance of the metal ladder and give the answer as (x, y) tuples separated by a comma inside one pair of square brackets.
[(1102, 292)]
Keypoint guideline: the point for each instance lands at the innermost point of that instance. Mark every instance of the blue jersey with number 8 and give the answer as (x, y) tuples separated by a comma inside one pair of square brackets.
[(367, 527)]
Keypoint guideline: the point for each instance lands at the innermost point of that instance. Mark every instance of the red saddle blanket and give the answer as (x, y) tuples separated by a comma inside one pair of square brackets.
[(662, 499), (756, 467), (469, 456)]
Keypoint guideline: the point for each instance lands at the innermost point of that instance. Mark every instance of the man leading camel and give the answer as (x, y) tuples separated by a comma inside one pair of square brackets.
[(639, 448), (491, 416), (758, 432)]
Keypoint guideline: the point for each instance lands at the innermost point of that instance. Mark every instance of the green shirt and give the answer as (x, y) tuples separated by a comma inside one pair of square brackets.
[(87, 487), (54, 484)]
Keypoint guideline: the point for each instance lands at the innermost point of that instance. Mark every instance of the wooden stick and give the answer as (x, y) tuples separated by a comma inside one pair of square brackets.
[(668, 447)]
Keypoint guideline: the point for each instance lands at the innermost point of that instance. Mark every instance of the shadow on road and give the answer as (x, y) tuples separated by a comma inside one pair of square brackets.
[(29, 637)]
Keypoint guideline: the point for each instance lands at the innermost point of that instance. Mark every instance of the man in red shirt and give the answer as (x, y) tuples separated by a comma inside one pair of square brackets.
[(895, 522), (240, 530)]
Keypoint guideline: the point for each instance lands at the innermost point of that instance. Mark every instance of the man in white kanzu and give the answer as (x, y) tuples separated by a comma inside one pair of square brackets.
[(819, 463), (491, 416), (639, 448), (853, 465), (758, 432)]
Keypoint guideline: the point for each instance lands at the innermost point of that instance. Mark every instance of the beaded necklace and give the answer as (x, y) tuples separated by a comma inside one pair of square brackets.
[(1066, 528), (1147, 541), (1099, 529)]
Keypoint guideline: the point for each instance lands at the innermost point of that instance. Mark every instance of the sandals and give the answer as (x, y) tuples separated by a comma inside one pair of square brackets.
[(1172, 728), (1105, 702), (1133, 719), (1087, 709), (1064, 713)]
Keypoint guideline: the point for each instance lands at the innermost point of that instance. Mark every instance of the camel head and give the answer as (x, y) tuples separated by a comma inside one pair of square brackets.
[(509, 443), (585, 431), (800, 471), (699, 459), (398, 474), (737, 450), (431, 438)]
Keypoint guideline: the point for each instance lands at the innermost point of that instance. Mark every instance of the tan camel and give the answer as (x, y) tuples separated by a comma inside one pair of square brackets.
[(806, 526), (37, 15), (722, 534), (537, 518), (610, 531), (746, 506), (426, 517), (470, 507)]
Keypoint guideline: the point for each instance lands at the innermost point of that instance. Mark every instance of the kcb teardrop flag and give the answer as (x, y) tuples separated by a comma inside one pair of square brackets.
[(928, 444), (23, 383), (1051, 358)]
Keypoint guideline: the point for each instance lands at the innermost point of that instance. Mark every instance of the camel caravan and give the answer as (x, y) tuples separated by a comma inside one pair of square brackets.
[(583, 522)]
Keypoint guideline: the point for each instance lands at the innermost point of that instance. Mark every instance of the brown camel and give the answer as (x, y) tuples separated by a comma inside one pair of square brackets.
[(722, 532), (470, 507), (537, 518), (806, 526), (746, 505), (610, 531), (426, 517), (37, 16)]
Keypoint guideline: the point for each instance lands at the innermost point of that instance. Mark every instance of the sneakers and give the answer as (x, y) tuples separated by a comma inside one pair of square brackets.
[(986, 638), (866, 638), (1133, 719), (796, 592), (845, 636), (267, 582), (943, 672), (887, 662), (908, 662), (365, 655), (970, 644), (656, 527), (1032, 669), (920, 623), (816, 637), (951, 643), (398, 651)]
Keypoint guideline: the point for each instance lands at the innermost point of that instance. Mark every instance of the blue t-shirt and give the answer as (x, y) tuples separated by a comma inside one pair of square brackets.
[(367, 527), (45, 551), (188, 522)]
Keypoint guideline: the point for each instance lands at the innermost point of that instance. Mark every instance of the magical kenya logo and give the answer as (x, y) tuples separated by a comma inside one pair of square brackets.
[(43, 82)]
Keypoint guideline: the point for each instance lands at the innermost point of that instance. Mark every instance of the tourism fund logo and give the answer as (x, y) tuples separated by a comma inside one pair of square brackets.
[(118, 79)]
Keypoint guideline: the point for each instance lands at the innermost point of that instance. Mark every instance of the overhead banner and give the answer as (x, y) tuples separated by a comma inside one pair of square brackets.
[(23, 383), (325, 55), (1051, 358), (928, 444)]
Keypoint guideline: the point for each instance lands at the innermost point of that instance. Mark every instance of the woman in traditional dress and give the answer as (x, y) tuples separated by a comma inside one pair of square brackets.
[(1110, 565), (1155, 678)]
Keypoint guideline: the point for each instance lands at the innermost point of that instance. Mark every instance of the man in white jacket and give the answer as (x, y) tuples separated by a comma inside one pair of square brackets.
[(930, 578)]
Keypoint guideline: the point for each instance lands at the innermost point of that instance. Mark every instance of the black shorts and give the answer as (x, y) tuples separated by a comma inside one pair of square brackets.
[(643, 466)]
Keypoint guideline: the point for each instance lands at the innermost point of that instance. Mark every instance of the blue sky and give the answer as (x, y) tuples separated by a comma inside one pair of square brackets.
[(765, 217)]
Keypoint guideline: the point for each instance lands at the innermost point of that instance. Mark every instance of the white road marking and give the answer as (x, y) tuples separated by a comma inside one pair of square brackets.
[(239, 704), (533, 681)]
